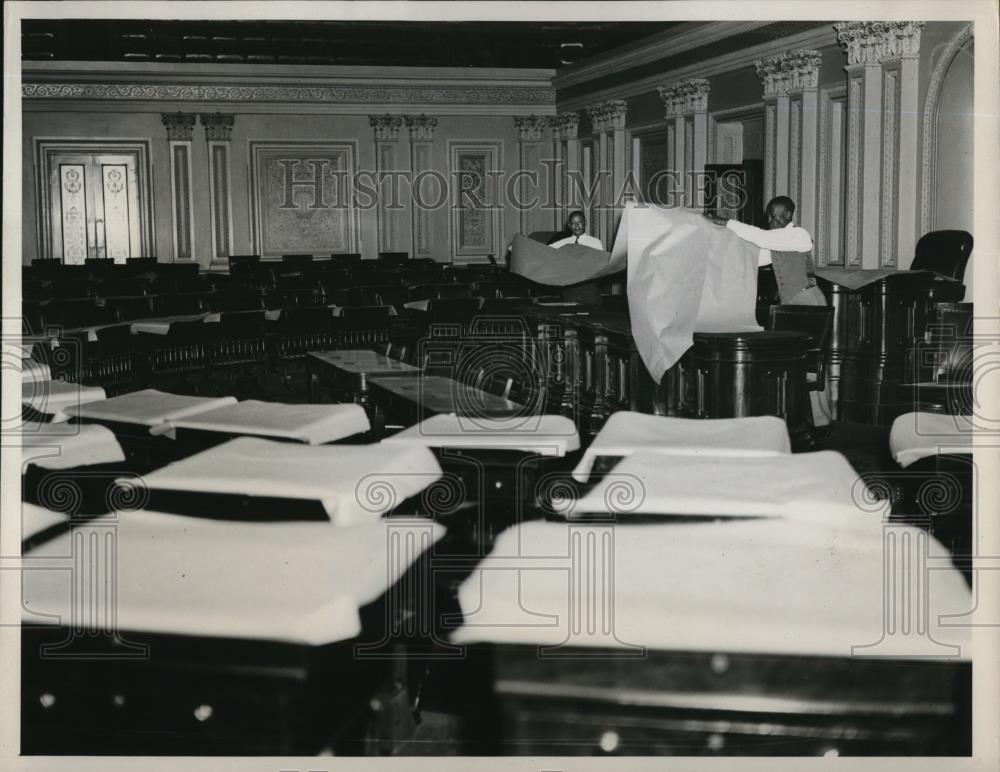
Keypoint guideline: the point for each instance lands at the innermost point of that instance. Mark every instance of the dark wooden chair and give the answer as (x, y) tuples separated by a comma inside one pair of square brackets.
[(941, 381), (946, 252), (817, 322)]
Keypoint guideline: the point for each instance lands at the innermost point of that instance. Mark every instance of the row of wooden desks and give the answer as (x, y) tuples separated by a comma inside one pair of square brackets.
[(496, 476), (400, 390)]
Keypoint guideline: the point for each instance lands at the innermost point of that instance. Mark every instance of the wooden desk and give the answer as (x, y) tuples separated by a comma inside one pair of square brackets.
[(718, 704), (414, 398), (350, 369)]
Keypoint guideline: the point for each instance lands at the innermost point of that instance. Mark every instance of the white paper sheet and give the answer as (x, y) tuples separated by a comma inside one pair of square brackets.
[(161, 325), (36, 372), (35, 519), (625, 433), (147, 407), (918, 435), (355, 483), (547, 435), (54, 398), (312, 424), (62, 446), (756, 586), (685, 275), (293, 582), (783, 486)]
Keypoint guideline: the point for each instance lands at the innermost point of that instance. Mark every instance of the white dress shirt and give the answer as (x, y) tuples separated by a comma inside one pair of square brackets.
[(583, 240), (791, 238)]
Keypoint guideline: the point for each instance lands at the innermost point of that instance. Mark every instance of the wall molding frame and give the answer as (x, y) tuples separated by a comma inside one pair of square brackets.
[(928, 156), (824, 221), (296, 150), (492, 150), (730, 115)]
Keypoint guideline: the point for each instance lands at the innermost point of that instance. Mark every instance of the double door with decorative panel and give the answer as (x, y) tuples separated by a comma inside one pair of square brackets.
[(94, 204)]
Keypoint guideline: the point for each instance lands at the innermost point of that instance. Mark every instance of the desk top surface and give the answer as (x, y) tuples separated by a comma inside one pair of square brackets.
[(444, 395), (361, 361)]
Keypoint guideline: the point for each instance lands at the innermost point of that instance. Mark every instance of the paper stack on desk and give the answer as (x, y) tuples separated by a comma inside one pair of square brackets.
[(918, 435), (311, 424), (294, 582), (147, 407), (547, 435), (354, 483), (63, 446), (799, 486), (58, 398), (751, 586), (625, 433)]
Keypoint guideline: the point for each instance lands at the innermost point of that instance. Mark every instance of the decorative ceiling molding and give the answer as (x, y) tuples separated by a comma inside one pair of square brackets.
[(421, 127), (789, 73), (874, 42), (529, 127), (386, 127), (180, 126), (819, 38), (357, 95), (218, 126), (684, 98), (669, 43)]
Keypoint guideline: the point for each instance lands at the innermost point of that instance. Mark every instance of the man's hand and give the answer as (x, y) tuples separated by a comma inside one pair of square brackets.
[(713, 217)]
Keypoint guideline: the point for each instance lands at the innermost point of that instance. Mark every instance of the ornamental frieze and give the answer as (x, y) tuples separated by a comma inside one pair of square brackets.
[(564, 126), (789, 73), (218, 126), (688, 96), (322, 94), (386, 127), (529, 127), (873, 42)]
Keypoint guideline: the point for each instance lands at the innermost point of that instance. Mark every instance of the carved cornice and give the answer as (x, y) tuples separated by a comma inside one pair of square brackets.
[(386, 127), (399, 94), (874, 42), (785, 74), (608, 116), (596, 113), (218, 126), (529, 127), (180, 126), (688, 96), (564, 126), (421, 127)]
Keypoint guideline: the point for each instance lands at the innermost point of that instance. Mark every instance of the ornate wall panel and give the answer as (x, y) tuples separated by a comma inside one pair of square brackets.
[(476, 212), (72, 186), (302, 198)]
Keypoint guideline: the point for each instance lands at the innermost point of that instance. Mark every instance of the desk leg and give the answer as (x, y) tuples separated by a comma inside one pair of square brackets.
[(310, 376)]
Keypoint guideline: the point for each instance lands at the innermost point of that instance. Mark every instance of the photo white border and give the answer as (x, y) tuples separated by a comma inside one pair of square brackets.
[(986, 641)]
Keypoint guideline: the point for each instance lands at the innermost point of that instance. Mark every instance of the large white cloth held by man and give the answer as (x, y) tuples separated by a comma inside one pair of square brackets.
[(685, 275), (562, 267)]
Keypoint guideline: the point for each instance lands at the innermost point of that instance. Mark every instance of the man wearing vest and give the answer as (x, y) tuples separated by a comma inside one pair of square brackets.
[(787, 248)]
